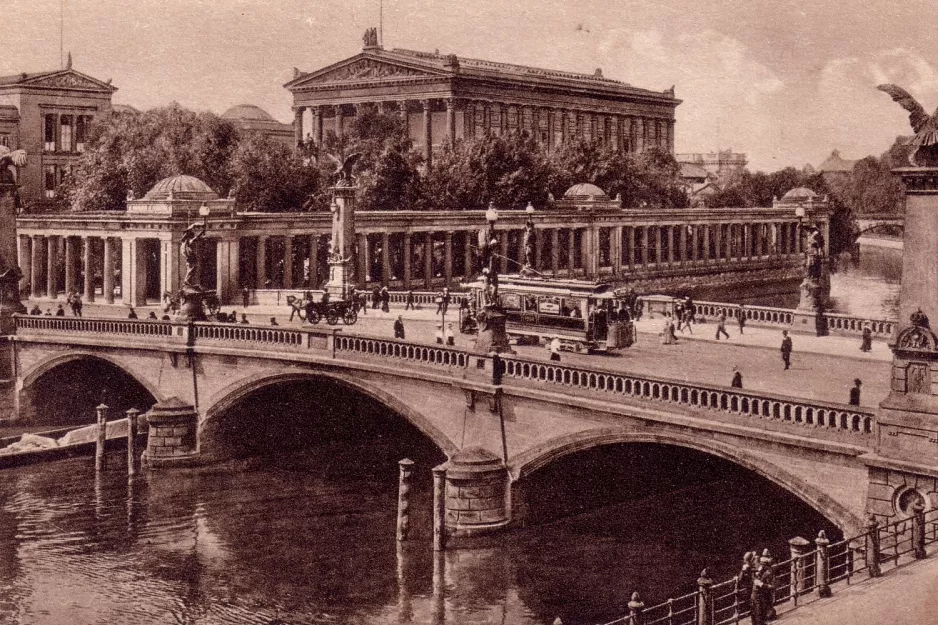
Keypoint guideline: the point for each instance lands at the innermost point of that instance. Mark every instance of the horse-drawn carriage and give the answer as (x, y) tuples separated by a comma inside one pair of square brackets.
[(311, 309)]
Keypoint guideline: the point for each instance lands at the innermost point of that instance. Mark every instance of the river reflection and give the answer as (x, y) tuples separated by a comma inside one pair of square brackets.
[(308, 537)]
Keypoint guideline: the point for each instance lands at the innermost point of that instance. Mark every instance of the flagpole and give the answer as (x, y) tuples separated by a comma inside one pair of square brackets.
[(381, 23)]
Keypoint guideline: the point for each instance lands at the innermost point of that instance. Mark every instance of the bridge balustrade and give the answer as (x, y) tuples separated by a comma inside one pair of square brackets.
[(121, 327), (425, 354), (250, 334), (848, 324), (755, 315), (733, 401)]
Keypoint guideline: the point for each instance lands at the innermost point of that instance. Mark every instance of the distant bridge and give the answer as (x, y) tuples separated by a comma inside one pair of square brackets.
[(884, 224)]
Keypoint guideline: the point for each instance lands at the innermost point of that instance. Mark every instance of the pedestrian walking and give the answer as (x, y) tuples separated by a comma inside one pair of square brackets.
[(690, 313), (150, 317), (679, 315), (60, 312), (245, 297), (866, 344), (35, 310), (855, 393), (667, 333), (132, 314), (737, 378), (554, 348), (439, 334), (273, 321), (449, 335), (375, 297), (639, 307), (721, 326), (409, 301), (76, 305), (244, 318), (399, 328), (786, 349), (385, 299), (741, 318), (763, 586)]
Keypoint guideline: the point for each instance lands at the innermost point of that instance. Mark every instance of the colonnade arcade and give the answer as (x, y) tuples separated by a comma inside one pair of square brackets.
[(431, 121), (135, 264)]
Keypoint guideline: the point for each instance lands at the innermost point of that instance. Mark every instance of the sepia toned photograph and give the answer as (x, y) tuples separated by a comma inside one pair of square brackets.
[(423, 312)]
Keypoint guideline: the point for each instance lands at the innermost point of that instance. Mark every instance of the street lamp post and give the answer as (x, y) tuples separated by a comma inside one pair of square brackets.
[(492, 337)]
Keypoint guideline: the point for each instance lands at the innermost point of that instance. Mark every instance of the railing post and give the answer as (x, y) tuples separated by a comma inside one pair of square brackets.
[(132, 441), (822, 567), (797, 547), (100, 461), (918, 529), (704, 599), (636, 605), (406, 467), (872, 547)]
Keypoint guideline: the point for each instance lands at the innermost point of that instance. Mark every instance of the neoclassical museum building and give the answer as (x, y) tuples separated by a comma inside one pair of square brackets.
[(445, 97)]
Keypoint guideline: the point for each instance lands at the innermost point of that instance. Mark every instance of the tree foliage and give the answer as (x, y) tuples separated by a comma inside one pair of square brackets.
[(271, 177)]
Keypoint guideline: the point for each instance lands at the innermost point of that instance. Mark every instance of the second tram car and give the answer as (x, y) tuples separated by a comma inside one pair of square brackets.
[(584, 315)]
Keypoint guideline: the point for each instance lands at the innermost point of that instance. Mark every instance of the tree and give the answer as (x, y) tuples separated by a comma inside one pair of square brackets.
[(129, 150), (654, 179), (270, 177)]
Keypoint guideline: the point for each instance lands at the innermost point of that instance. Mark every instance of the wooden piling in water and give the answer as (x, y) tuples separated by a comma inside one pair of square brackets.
[(132, 441), (406, 467), (439, 508), (100, 460)]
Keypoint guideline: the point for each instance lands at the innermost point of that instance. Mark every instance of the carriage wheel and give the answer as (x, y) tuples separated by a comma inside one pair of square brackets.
[(313, 316), (332, 316), (350, 316)]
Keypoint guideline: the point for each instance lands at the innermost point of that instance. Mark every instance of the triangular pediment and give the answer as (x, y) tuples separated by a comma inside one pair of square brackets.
[(365, 68), (67, 79)]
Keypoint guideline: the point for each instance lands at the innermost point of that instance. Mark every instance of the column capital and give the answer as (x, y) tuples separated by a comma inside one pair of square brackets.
[(426, 104)]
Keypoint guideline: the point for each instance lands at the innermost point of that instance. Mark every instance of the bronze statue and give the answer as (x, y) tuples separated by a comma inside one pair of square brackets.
[(924, 144), (370, 38), (529, 243), (188, 248), (343, 167)]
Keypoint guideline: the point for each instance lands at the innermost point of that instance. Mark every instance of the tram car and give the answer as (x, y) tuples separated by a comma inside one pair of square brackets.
[(586, 316)]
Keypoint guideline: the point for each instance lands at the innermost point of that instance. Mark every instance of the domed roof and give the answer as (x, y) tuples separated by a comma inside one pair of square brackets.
[(181, 188), (799, 193), (248, 111), (585, 190)]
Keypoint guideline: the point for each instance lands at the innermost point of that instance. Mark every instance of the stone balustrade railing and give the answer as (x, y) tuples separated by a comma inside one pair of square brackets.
[(736, 402), (848, 324)]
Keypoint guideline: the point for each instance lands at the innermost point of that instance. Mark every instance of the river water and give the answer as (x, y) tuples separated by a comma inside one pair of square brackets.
[(307, 536)]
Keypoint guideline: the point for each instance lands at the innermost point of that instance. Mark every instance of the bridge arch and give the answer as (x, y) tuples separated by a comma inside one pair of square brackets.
[(28, 378), (542, 455), (229, 396)]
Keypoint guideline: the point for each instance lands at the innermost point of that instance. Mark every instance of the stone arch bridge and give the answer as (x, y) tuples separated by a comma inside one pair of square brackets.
[(494, 429)]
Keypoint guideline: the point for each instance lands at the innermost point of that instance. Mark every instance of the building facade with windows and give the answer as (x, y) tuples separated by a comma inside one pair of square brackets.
[(48, 114), (445, 97)]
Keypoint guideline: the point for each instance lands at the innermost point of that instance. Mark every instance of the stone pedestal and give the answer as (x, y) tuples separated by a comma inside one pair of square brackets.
[(476, 493), (492, 337), (342, 252), (172, 437), (904, 464), (9, 265), (815, 295), (192, 304)]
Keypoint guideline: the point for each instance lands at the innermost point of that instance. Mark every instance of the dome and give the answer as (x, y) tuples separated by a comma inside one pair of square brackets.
[(799, 194), (248, 111), (584, 190), (181, 188)]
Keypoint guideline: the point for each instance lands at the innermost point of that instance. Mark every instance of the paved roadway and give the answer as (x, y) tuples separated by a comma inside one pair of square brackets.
[(823, 368)]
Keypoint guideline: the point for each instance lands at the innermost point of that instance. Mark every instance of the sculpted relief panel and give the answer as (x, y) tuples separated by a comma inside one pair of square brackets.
[(365, 69)]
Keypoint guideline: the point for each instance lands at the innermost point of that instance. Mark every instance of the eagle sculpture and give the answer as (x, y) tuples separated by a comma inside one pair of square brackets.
[(924, 152), (344, 166), (9, 161)]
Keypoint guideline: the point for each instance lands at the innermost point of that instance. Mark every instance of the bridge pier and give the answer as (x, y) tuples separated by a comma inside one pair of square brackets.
[(477, 493), (172, 438)]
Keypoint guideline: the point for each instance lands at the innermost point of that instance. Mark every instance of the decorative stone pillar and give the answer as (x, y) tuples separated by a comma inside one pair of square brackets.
[(451, 121), (385, 258), (317, 124), (476, 493), (313, 259), (261, 260), (658, 246), (88, 267), (448, 257), (671, 257), (24, 260), (798, 547), (407, 261), (108, 271), (288, 261), (468, 257), (339, 121), (35, 265), (363, 256), (571, 251), (70, 263), (172, 437), (52, 244), (427, 259), (555, 251)]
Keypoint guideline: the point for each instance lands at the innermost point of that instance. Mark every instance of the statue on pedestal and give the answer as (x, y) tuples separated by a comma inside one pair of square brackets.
[(529, 244), (190, 253), (924, 145), (10, 273)]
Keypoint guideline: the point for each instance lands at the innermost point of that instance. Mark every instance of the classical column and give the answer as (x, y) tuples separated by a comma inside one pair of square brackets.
[(298, 126), (671, 257), (24, 260), (35, 265), (133, 272), (571, 251), (448, 257), (694, 243), (287, 261), (539, 248), (564, 123), (339, 121), (88, 267), (451, 121), (646, 256), (503, 250), (615, 241), (227, 270), (658, 247), (108, 271), (468, 258), (385, 258), (729, 241), (426, 105), (706, 242), (630, 245), (549, 112), (70, 262), (362, 259), (52, 243), (317, 124), (261, 271), (682, 244), (555, 250), (313, 261), (407, 260)]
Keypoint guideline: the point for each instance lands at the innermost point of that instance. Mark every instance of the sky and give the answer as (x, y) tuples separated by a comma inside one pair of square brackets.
[(786, 82)]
